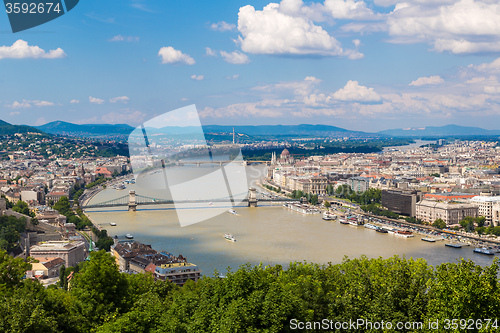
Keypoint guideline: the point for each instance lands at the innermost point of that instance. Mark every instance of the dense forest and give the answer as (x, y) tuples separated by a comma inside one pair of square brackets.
[(252, 299)]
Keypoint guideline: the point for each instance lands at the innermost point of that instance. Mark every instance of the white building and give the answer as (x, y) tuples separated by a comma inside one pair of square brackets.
[(489, 207)]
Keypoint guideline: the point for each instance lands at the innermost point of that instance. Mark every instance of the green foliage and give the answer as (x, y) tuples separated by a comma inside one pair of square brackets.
[(10, 231), (439, 223), (437, 174), (11, 271), (22, 207), (327, 204), (63, 206), (412, 219), (272, 188), (376, 210), (100, 288)]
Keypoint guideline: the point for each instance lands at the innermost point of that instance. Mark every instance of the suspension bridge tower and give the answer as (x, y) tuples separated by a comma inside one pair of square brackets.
[(132, 205), (252, 197)]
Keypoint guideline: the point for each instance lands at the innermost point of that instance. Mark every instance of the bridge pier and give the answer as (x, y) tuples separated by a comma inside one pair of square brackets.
[(252, 197), (132, 205)]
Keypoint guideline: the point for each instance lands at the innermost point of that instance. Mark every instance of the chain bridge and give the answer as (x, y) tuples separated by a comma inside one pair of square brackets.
[(132, 200)]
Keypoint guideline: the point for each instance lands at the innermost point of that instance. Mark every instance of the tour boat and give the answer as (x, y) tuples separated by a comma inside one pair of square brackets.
[(404, 233), (371, 226), (342, 221), (113, 224), (327, 216), (454, 245), (428, 239), (120, 187), (483, 250), (381, 230), (129, 236), (229, 237)]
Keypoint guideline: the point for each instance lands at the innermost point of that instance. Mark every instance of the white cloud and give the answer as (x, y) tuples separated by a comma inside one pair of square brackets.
[(222, 26), (233, 77), (354, 54), (459, 26), (19, 105), (349, 9), (125, 116), (74, 101), (121, 99), (21, 50), (42, 103), (170, 55), (352, 91), (27, 104), (120, 38), (436, 79), (197, 77), (235, 57), (95, 100), (210, 52), (271, 31)]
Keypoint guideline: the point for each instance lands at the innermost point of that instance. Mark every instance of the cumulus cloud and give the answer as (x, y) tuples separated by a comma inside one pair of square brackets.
[(458, 26), (19, 105), (27, 104), (121, 99), (436, 79), (210, 52), (74, 101), (197, 77), (349, 9), (235, 57), (95, 100), (169, 55), (21, 50), (126, 116), (352, 91), (120, 38), (222, 26), (270, 31)]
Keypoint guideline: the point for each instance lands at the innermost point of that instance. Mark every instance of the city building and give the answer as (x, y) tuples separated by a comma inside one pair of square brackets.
[(401, 201), (72, 252), (451, 213)]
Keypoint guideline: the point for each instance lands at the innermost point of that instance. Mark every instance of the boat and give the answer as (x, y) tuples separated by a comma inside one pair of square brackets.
[(454, 245), (327, 216), (381, 230), (210, 203), (429, 239), (403, 233), (113, 224), (231, 211), (120, 187), (483, 250), (371, 226), (129, 236), (342, 221), (229, 237), (304, 209)]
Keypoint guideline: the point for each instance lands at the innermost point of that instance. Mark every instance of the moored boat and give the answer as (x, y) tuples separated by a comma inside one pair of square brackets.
[(429, 239), (454, 245), (403, 233), (483, 250), (381, 230), (113, 224), (129, 236), (371, 226)]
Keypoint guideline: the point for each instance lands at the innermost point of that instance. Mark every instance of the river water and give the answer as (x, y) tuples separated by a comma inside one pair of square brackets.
[(268, 234)]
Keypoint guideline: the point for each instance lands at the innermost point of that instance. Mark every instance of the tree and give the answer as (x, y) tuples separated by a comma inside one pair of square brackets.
[(63, 281), (63, 206), (327, 204), (100, 287), (11, 271), (439, 223), (21, 207)]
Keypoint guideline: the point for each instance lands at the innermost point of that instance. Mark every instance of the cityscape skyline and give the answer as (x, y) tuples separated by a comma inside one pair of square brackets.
[(361, 65)]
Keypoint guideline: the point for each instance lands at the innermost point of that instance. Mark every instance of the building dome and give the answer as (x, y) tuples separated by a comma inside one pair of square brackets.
[(285, 153)]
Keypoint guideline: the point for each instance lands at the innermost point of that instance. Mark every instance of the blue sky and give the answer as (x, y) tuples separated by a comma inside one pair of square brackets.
[(361, 65)]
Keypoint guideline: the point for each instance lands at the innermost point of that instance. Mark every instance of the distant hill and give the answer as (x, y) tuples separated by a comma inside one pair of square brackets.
[(441, 131), (122, 130), (9, 129), (91, 130)]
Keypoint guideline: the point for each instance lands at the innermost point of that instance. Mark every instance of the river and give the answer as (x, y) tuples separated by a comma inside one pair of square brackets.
[(268, 234)]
